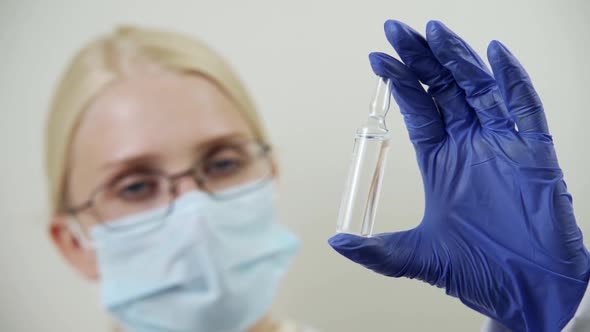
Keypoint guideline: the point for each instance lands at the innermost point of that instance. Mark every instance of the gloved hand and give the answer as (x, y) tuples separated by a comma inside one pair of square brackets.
[(499, 230)]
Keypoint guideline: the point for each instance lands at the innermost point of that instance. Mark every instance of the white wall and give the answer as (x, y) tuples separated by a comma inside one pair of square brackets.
[(306, 64)]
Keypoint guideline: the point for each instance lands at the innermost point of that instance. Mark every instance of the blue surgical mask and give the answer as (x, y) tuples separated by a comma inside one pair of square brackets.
[(209, 266)]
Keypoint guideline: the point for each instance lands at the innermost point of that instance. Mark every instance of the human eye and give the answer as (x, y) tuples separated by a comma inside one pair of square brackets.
[(137, 188), (224, 163)]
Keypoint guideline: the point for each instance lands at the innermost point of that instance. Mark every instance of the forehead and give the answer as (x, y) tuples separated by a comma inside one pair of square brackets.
[(157, 113), (149, 110)]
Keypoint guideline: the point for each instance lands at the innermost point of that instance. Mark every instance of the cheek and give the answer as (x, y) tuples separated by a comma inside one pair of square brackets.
[(91, 266), (84, 259)]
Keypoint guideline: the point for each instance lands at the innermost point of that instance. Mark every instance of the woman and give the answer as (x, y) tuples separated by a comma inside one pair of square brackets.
[(161, 185)]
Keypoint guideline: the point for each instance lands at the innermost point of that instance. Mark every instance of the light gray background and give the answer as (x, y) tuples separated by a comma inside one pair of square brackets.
[(306, 64)]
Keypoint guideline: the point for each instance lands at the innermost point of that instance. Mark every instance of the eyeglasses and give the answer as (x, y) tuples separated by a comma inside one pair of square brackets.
[(227, 166)]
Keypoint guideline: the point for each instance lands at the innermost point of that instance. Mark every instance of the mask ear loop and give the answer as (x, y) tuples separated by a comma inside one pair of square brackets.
[(75, 228)]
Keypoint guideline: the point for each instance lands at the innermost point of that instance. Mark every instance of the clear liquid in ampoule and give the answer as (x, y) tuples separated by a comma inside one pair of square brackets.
[(363, 185)]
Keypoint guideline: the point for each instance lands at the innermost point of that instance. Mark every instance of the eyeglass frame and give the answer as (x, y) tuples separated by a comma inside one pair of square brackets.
[(172, 179)]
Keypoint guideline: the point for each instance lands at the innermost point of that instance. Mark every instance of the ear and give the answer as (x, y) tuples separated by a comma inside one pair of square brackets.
[(79, 257)]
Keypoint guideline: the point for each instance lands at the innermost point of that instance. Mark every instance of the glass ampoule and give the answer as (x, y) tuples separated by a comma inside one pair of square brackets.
[(363, 185)]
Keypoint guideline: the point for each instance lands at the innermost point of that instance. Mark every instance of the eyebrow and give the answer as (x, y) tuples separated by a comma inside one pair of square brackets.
[(130, 161), (152, 158)]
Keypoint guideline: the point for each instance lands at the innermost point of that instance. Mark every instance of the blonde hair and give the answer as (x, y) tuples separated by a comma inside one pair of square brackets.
[(109, 59)]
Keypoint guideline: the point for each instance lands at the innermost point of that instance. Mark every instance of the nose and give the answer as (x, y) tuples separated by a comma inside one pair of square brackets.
[(186, 184)]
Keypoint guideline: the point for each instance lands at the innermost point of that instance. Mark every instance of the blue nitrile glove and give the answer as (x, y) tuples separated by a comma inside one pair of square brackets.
[(498, 230)]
